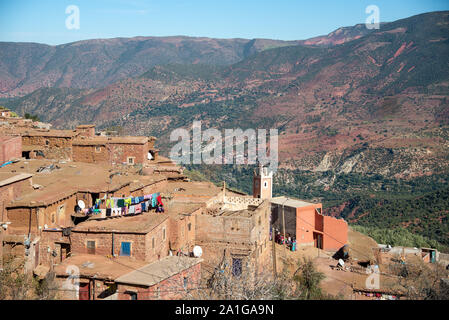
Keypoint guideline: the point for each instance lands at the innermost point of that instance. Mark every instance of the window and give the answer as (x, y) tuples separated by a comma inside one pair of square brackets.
[(52, 218), (61, 210), (152, 243), (132, 295), (189, 226), (185, 282), (90, 247), (265, 184), (163, 234), (130, 160), (236, 267), (47, 142), (125, 249), (97, 149)]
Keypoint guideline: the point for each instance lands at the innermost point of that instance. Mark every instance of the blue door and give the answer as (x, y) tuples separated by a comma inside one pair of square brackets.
[(125, 249)]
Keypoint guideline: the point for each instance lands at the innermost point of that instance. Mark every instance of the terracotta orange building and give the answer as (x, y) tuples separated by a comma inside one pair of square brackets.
[(305, 222)]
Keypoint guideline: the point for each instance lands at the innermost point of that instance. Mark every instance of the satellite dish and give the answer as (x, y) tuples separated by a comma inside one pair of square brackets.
[(81, 204), (197, 251)]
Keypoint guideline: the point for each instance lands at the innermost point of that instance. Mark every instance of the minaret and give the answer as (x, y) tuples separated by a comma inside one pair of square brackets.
[(262, 183)]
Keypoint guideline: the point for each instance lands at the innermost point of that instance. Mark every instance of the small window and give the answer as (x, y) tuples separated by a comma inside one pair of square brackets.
[(236, 267), (53, 218), (265, 184), (185, 282), (130, 160), (90, 247), (61, 210), (163, 234), (125, 249), (152, 243), (97, 149), (189, 226), (47, 142), (132, 295)]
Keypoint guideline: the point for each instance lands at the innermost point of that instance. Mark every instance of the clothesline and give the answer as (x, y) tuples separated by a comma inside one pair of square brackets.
[(116, 206)]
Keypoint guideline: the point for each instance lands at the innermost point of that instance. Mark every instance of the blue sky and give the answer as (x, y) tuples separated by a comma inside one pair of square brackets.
[(43, 21)]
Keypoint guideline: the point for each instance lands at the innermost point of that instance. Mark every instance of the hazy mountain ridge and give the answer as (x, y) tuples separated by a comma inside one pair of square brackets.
[(375, 107)]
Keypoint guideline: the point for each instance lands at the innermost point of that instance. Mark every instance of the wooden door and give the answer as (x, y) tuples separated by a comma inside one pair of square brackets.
[(84, 291)]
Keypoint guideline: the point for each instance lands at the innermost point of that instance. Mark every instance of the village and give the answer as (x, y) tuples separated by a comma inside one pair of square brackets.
[(107, 217)]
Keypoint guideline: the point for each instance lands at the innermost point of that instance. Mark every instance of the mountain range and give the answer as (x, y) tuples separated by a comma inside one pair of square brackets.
[(354, 102)]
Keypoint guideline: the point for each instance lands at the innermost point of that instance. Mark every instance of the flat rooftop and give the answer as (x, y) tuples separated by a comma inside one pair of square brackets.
[(291, 202), (99, 266), (67, 178), (158, 271), (142, 223), (49, 133), (98, 140), (192, 189), (178, 209), (11, 177), (4, 138)]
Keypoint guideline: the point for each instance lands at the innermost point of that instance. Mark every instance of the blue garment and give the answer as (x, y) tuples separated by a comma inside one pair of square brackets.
[(5, 164), (153, 201), (143, 204)]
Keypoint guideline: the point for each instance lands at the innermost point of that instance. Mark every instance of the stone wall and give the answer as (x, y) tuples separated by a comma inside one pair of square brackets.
[(168, 289), (10, 148), (226, 237), (54, 147), (10, 192), (91, 154)]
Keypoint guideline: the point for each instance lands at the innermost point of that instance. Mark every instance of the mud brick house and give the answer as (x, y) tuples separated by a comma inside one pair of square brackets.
[(234, 235), (57, 144), (121, 278), (1, 244), (143, 237), (15, 123), (182, 220), (48, 199), (10, 148), (11, 186), (169, 278), (305, 222), (86, 130), (5, 113), (112, 150)]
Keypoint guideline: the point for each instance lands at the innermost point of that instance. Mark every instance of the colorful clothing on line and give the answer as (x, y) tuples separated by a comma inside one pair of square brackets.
[(159, 200), (153, 201), (120, 203)]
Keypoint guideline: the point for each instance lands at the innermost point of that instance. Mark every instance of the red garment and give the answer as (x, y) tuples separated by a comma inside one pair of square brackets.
[(159, 200)]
